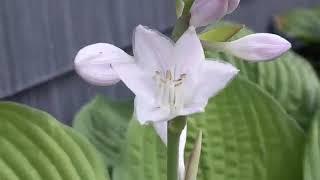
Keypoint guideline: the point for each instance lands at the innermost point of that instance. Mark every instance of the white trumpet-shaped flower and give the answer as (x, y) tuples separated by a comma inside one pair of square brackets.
[(168, 79), (205, 12)]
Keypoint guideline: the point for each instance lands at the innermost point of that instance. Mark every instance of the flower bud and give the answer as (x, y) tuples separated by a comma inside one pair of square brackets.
[(94, 63), (232, 5), (205, 12), (257, 47)]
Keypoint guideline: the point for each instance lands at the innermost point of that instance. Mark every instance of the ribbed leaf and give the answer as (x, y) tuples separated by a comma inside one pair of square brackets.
[(34, 146), (312, 151), (143, 157), (246, 135), (104, 122), (290, 80)]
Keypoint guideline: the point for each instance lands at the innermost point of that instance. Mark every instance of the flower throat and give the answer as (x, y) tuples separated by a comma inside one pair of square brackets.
[(169, 90)]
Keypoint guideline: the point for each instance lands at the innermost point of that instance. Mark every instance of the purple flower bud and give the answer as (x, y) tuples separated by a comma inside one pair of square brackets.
[(205, 12), (258, 47), (232, 5)]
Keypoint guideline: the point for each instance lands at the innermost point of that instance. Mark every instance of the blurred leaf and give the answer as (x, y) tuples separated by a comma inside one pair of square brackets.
[(34, 146), (143, 157), (221, 32), (194, 159), (104, 122), (302, 24), (312, 151), (246, 135), (290, 80)]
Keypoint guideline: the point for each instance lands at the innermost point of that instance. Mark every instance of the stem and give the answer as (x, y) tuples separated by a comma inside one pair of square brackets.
[(175, 128), (181, 26), (176, 125), (182, 23)]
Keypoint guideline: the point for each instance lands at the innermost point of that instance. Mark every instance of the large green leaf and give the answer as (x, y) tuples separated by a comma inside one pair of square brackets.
[(104, 122), (290, 80), (246, 135), (312, 151), (302, 24), (143, 157), (34, 146)]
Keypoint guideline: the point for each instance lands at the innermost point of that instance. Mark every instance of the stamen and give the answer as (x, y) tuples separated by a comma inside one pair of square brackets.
[(178, 84), (168, 75), (169, 90)]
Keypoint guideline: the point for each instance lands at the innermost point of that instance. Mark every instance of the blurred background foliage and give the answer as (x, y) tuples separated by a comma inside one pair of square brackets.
[(302, 27)]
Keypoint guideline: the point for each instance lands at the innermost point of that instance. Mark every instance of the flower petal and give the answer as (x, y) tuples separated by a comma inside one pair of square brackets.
[(205, 12), (161, 129), (193, 108), (188, 53), (182, 144), (232, 5), (152, 50), (258, 47), (147, 112), (93, 63), (136, 80), (215, 75)]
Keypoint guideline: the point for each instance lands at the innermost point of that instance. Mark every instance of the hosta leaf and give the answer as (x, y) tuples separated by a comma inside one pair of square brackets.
[(104, 122), (302, 24), (34, 146), (290, 80), (246, 135), (143, 157), (312, 151)]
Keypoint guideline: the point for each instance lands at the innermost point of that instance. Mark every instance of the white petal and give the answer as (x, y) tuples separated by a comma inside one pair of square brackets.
[(232, 5), (188, 53), (205, 12), (258, 47), (152, 50), (93, 62), (161, 129), (182, 144), (140, 83), (214, 77), (146, 111), (197, 107)]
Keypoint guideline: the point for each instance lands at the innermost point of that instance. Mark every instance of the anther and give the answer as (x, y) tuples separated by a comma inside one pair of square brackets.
[(178, 84), (168, 75)]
